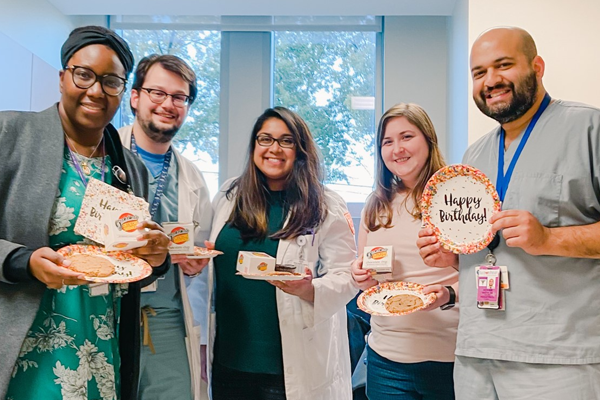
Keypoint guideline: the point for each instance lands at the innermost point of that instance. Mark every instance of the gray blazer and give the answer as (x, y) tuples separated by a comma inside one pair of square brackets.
[(31, 154)]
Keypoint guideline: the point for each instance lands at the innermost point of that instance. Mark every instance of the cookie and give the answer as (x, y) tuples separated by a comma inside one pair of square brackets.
[(90, 265), (402, 303)]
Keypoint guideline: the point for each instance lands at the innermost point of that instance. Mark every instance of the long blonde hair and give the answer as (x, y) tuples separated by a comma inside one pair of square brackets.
[(378, 210)]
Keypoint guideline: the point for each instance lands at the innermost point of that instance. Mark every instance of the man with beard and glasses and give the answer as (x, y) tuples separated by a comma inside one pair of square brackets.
[(163, 89), (544, 158)]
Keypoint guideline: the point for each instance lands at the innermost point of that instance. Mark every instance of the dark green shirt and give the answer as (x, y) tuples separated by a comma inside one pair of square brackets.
[(248, 337)]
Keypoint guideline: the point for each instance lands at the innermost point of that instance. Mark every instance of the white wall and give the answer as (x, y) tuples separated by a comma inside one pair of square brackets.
[(31, 34), (28, 82), (37, 26), (567, 35), (458, 80), (415, 67)]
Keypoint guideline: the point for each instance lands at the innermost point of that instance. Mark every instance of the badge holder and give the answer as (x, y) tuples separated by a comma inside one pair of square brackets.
[(491, 282)]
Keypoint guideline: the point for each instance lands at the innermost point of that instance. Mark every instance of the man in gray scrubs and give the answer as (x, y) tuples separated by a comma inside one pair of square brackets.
[(544, 159), (164, 87)]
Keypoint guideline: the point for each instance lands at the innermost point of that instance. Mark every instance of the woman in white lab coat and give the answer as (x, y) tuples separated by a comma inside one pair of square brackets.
[(281, 339)]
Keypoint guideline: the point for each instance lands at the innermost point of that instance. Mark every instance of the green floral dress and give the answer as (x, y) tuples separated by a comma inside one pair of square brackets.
[(72, 348)]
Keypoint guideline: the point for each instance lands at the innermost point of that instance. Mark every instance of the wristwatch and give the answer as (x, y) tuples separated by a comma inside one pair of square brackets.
[(452, 301)]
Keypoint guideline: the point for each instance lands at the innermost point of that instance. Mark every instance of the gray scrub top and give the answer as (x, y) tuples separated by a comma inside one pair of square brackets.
[(552, 307)]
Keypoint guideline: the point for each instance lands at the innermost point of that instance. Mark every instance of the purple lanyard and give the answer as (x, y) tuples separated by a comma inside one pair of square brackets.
[(78, 167)]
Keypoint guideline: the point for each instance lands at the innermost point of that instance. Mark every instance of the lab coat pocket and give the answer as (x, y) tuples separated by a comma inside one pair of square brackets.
[(319, 344)]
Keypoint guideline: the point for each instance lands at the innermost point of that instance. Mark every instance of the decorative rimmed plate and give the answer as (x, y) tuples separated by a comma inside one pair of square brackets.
[(202, 252), (457, 203), (273, 276), (128, 268), (374, 299)]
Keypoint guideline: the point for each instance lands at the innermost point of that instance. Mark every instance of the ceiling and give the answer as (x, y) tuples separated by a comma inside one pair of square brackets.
[(256, 7)]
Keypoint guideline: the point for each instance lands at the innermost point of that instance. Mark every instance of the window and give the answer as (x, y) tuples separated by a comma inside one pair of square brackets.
[(328, 78), (198, 138), (324, 69)]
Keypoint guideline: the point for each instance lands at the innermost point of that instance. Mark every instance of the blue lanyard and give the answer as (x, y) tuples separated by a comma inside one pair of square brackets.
[(161, 180), (503, 180)]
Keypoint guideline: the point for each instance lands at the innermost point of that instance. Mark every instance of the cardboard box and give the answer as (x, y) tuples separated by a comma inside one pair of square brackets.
[(120, 230), (182, 237), (378, 259), (101, 198), (253, 262)]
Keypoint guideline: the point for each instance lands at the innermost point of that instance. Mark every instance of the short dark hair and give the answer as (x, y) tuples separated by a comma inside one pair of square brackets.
[(170, 63)]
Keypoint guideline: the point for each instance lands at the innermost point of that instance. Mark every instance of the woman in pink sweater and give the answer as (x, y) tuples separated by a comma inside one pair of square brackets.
[(410, 356)]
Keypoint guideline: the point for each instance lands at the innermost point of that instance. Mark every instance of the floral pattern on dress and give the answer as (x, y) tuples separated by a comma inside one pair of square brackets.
[(92, 364), (71, 350), (62, 215)]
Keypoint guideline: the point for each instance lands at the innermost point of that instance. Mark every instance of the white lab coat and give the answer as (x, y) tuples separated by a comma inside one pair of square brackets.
[(193, 206), (316, 358)]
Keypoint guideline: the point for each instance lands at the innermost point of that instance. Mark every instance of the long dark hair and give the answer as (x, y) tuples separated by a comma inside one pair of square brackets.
[(378, 210), (304, 187)]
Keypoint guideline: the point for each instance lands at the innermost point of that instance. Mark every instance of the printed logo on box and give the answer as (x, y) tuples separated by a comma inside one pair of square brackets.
[(377, 253), (262, 266), (127, 222), (179, 235)]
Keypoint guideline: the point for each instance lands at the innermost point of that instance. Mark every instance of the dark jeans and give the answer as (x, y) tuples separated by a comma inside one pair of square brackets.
[(428, 380), (230, 384)]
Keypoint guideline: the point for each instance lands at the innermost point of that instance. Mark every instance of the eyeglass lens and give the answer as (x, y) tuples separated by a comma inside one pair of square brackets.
[(158, 97), (84, 78)]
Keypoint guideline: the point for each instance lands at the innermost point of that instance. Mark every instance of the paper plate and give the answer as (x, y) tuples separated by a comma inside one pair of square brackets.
[(128, 268), (202, 252), (373, 300), (457, 203), (269, 277)]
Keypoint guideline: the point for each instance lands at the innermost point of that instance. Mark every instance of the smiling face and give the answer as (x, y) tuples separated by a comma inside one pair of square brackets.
[(505, 81), (160, 122), (275, 162), (89, 110), (404, 150)]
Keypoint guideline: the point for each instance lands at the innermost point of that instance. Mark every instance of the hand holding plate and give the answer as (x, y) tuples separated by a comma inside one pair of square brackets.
[(432, 252), (44, 265), (302, 288), (521, 229), (442, 296)]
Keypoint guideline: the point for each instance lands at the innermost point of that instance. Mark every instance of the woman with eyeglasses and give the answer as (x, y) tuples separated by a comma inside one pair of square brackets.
[(409, 356), (276, 340), (62, 337)]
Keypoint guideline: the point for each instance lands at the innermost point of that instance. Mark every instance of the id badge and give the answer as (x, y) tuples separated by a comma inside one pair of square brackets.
[(488, 287), (98, 289), (492, 281), (153, 287)]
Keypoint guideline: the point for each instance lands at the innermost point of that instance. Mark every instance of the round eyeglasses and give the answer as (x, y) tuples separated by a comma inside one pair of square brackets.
[(85, 78), (158, 97), (286, 142)]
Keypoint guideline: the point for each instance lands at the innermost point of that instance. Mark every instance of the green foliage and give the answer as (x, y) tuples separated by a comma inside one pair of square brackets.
[(316, 74)]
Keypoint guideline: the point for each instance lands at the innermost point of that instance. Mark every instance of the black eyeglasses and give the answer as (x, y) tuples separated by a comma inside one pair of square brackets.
[(158, 97), (85, 78), (286, 142)]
